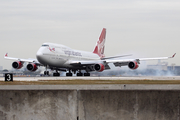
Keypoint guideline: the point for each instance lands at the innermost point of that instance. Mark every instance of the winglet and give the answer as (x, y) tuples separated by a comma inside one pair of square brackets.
[(173, 55), (6, 55)]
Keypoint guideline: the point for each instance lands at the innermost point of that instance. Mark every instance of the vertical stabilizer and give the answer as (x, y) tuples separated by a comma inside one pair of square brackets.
[(99, 48)]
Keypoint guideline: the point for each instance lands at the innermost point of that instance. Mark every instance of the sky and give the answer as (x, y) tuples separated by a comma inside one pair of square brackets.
[(144, 28)]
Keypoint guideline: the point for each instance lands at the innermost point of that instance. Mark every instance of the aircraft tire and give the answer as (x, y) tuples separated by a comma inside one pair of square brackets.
[(45, 72), (79, 74), (56, 74), (68, 74), (86, 74)]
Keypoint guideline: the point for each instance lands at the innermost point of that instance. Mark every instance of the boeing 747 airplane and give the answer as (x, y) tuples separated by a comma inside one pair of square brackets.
[(58, 57)]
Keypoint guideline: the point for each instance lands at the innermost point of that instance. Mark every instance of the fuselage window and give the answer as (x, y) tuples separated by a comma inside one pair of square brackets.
[(45, 45)]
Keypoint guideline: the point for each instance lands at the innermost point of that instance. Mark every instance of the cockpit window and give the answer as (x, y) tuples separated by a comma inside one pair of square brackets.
[(45, 45)]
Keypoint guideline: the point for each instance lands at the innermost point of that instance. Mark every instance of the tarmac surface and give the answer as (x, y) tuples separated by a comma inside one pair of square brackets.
[(92, 83), (95, 78)]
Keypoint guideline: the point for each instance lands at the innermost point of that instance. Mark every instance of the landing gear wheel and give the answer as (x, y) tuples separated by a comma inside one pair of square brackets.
[(86, 74), (46, 72), (56, 74), (68, 74), (79, 74)]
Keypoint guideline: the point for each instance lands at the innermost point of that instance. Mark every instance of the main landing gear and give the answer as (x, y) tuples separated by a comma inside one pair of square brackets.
[(56, 73), (86, 74), (69, 73), (81, 74), (78, 74), (46, 73)]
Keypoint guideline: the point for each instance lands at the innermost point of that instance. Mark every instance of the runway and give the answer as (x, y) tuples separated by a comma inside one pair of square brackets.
[(92, 83), (95, 78)]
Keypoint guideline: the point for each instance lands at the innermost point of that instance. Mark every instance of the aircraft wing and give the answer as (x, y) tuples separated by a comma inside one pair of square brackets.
[(116, 62), (123, 62), (92, 62), (22, 60)]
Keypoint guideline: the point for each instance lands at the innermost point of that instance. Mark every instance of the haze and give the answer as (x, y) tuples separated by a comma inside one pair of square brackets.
[(148, 28)]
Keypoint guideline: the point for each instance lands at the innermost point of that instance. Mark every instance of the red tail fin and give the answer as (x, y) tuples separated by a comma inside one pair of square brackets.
[(99, 48)]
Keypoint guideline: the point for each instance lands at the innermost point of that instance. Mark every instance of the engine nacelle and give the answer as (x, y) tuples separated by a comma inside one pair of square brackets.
[(32, 67), (133, 65), (17, 65), (99, 67)]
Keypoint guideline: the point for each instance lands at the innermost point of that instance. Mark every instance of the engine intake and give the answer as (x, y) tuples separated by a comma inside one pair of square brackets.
[(133, 65), (32, 67), (99, 67), (17, 65)]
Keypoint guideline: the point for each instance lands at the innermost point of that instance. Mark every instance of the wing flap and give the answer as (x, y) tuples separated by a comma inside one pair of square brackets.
[(119, 64), (104, 58), (85, 62)]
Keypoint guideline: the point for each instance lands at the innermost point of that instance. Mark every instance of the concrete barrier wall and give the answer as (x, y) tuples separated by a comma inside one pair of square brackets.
[(89, 105), (129, 105), (38, 105)]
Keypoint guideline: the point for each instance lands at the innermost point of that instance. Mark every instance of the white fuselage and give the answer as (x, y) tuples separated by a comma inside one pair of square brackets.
[(56, 55)]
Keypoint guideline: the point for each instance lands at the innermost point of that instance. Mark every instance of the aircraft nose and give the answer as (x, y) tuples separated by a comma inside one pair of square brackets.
[(39, 55)]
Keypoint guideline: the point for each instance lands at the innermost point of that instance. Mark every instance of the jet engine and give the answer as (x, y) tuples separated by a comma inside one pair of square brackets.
[(17, 65), (133, 65), (32, 67), (99, 67)]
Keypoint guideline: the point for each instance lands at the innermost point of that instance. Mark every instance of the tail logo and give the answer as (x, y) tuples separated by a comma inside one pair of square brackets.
[(99, 49)]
